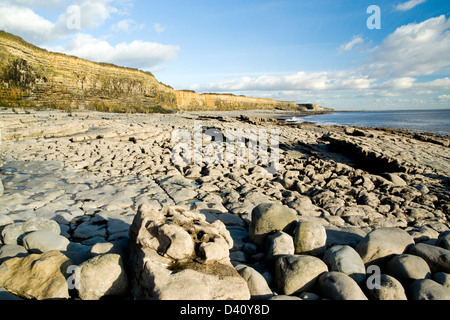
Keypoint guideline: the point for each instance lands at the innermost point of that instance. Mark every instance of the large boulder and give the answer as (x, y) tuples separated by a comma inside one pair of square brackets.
[(310, 238), (175, 254), (270, 217), (427, 289), (257, 284), (407, 268), (339, 286), (278, 244), (389, 289), (346, 260), (382, 243), (100, 276), (437, 258), (444, 240), (297, 273), (442, 278), (37, 276)]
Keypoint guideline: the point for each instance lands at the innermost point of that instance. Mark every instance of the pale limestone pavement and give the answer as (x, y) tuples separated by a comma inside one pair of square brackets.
[(340, 201)]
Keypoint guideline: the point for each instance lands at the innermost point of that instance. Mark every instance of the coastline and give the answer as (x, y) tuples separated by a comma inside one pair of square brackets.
[(432, 122), (90, 172)]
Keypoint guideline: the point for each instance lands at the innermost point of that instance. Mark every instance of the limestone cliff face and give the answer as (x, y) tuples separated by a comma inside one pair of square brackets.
[(189, 100), (33, 77)]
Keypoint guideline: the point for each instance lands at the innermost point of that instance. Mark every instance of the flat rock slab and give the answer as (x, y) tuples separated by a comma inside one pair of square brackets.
[(179, 188), (44, 241), (37, 276)]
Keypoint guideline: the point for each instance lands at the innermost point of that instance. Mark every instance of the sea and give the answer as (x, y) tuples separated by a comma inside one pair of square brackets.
[(419, 121)]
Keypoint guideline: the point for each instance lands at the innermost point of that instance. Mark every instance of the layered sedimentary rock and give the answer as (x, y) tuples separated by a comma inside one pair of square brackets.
[(33, 77), (176, 254)]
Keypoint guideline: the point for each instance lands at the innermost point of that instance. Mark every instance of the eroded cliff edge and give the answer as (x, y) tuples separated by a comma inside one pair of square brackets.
[(34, 77)]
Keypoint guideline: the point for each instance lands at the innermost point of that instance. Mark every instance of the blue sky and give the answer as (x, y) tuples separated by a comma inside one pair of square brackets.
[(305, 51)]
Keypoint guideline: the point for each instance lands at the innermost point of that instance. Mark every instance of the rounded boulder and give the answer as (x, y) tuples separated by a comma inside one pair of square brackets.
[(270, 217)]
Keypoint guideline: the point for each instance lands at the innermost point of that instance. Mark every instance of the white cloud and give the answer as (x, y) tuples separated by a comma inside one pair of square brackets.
[(123, 25), (26, 23), (415, 49), (397, 83), (444, 97), (35, 3), (443, 83), (127, 25), (159, 27), (394, 68), (18, 18), (408, 5), (355, 42), (92, 13), (315, 81), (137, 54)]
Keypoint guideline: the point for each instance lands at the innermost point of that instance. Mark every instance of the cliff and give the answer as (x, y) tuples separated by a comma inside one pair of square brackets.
[(36, 78), (312, 107)]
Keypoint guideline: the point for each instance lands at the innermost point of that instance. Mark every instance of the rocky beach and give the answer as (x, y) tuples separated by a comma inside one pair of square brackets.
[(94, 205)]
